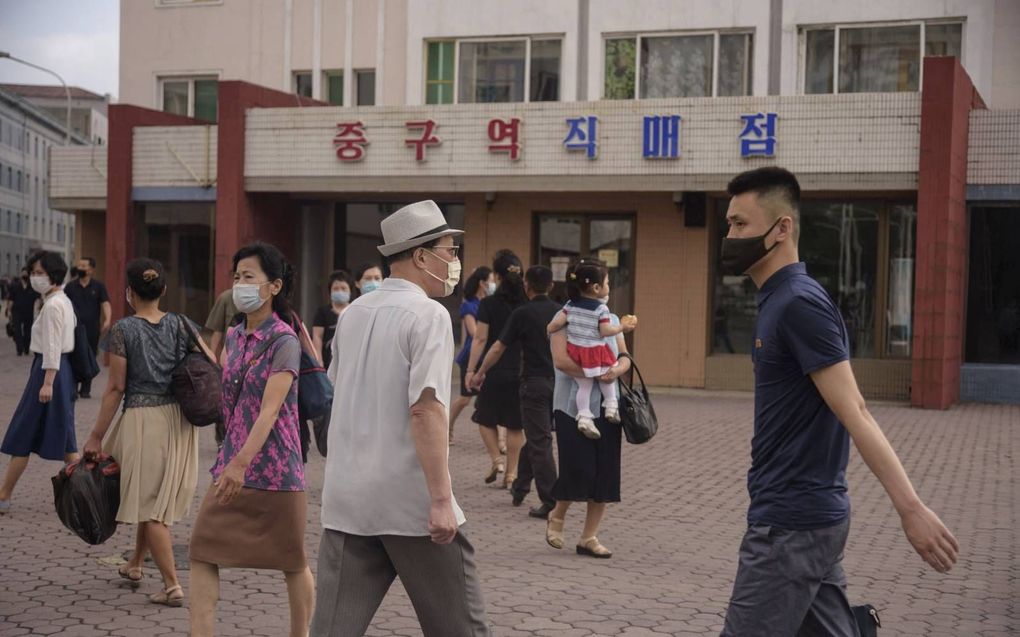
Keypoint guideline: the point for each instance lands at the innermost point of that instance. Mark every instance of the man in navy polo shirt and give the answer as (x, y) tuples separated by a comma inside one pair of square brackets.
[(807, 407)]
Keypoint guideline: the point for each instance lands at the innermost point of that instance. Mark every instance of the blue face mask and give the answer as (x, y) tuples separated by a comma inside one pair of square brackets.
[(370, 286), (340, 296)]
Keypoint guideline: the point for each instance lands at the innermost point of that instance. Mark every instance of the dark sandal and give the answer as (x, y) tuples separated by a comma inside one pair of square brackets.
[(132, 575), (593, 548), (173, 596)]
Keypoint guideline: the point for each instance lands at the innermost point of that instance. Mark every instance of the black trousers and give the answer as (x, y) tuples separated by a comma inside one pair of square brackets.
[(92, 330), (536, 461), (22, 332)]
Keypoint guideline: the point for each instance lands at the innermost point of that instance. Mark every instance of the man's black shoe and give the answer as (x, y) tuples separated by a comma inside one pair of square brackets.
[(541, 512), (518, 498), (85, 394)]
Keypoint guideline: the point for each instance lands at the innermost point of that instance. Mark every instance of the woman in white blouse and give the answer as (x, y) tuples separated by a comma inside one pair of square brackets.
[(43, 422)]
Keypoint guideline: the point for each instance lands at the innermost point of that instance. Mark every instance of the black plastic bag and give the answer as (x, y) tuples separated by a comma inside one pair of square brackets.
[(86, 495)]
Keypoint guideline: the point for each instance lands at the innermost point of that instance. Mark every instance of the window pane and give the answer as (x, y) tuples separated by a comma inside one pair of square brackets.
[(879, 60), (545, 70), (366, 87), (620, 69), (735, 64), (818, 65), (303, 84), (943, 39), (491, 72), (439, 81), (900, 305), (335, 88), (676, 66), (206, 97), (175, 97), (440, 61), (839, 244)]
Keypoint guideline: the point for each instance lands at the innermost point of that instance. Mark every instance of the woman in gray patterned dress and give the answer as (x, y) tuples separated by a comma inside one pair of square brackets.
[(156, 448)]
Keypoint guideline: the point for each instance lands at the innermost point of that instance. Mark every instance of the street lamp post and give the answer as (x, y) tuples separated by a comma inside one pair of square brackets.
[(67, 91)]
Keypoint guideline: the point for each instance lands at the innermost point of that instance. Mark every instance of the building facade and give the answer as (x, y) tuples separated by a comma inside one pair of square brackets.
[(87, 109), (592, 128), (27, 220)]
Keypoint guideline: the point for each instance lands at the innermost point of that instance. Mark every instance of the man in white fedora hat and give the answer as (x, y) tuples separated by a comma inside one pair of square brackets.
[(387, 502)]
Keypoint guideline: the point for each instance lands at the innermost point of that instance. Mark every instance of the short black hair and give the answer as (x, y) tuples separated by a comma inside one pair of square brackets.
[(92, 261), (339, 275), (146, 278), (585, 274), (539, 278), (52, 263), (767, 180)]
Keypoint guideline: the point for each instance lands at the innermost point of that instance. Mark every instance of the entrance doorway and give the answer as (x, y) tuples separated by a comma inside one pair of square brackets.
[(562, 239), (993, 298), (179, 235)]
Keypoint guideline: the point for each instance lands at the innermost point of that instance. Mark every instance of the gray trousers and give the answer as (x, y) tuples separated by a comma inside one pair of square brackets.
[(791, 584), (356, 571)]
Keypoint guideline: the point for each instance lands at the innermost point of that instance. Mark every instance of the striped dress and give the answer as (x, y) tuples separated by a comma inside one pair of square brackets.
[(585, 345)]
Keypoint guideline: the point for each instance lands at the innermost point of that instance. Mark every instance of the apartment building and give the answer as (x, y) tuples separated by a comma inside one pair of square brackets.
[(27, 221), (593, 128)]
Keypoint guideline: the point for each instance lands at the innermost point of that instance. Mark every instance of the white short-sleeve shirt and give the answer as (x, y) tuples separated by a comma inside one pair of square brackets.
[(390, 346)]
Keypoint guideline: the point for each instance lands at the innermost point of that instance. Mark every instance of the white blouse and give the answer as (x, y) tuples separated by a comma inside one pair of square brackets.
[(53, 330)]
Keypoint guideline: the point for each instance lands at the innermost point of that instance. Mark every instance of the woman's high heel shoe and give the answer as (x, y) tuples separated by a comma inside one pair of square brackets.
[(494, 471)]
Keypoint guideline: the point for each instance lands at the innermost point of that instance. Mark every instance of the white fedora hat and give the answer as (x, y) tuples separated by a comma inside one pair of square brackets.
[(412, 226)]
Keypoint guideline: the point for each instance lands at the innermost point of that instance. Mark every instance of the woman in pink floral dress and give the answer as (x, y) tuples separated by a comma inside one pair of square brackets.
[(255, 512)]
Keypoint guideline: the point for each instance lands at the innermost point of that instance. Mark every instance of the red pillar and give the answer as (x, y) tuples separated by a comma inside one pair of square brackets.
[(120, 217), (239, 217), (947, 98)]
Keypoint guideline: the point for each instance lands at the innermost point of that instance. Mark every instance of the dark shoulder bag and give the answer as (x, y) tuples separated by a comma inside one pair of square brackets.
[(636, 412), (315, 393), (83, 360), (196, 382)]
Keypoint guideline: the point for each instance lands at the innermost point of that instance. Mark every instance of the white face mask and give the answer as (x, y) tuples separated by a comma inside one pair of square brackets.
[(127, 297), (452, 273), (490, 288), (247, 298), (604, 300), (40, 283)]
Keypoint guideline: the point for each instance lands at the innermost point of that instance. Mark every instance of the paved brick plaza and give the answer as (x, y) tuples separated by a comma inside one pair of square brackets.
[(675, 537)]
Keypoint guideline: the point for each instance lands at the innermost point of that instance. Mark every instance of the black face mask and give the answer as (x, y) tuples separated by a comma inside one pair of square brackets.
[(739, 255)]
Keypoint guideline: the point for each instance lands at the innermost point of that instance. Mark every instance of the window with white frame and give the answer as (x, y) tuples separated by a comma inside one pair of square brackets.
[(873, 58), (493, 70), (190, 96), (697, 64)]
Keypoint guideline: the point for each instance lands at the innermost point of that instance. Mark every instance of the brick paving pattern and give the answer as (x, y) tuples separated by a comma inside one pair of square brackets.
[(675, 537)]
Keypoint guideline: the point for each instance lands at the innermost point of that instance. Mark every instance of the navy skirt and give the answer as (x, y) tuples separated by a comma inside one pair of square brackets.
[(589, 470), (44, 429)]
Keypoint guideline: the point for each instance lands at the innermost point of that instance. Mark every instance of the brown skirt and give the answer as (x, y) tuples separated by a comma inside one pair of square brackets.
[(257, 529)]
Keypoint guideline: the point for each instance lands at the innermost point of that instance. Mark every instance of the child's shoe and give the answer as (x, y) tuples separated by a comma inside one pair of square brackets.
[(587, 428), (613, 413)]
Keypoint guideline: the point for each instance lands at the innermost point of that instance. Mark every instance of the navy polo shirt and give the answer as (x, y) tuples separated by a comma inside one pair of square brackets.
[(799, 451)]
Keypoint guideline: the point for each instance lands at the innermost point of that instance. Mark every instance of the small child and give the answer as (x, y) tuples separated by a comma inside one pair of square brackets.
[(587, 319)]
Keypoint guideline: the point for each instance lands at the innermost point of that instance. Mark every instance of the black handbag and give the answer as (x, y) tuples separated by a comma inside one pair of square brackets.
[(196, 383), (868, 622), (86, 496), (10, 328), (636, 412), (84, 365)]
